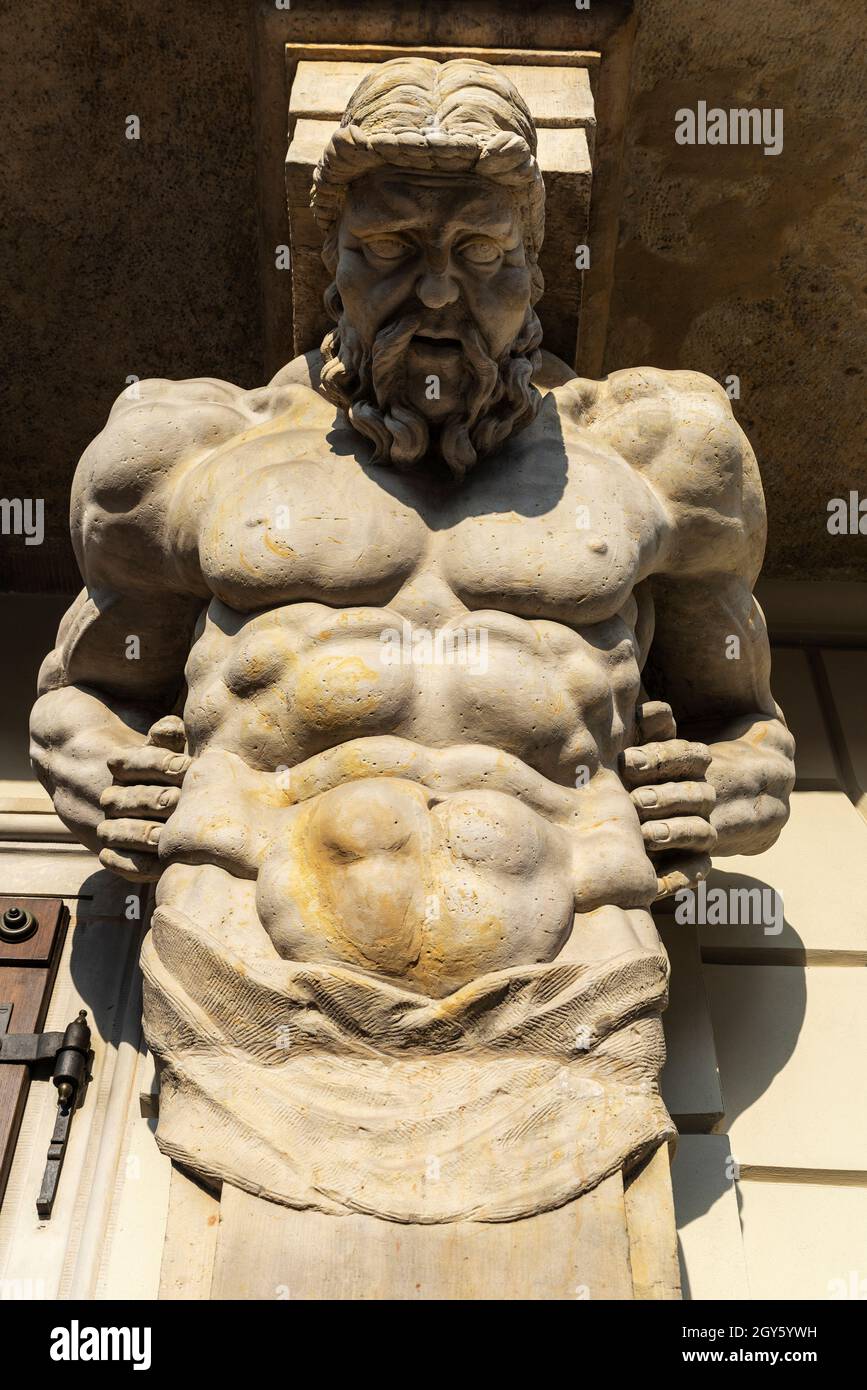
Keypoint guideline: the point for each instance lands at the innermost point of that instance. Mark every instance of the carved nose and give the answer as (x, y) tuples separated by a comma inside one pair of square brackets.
[(436, 291)]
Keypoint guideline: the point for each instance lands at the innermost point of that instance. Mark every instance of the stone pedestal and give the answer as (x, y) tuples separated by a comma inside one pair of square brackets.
[(609, 1244)]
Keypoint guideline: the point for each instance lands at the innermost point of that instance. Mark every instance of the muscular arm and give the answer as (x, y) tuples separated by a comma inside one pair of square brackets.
[(118, 665), (117, 668), (710, 657)]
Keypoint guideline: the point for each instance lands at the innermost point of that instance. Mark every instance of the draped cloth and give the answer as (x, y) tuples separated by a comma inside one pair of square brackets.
[(319, 1086)]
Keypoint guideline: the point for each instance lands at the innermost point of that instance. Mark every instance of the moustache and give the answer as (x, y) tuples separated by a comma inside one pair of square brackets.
[(411, 323), (385, 365)]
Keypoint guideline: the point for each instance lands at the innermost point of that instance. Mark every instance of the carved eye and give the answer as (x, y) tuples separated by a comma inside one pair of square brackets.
[(387, 248), (480, 251)]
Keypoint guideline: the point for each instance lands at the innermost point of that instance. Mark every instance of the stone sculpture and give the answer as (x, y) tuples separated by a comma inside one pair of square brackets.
[(375, 669)]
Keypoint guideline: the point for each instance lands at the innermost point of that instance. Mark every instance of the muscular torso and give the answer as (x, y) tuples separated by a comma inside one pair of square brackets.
[(326, 575), (459, 649)]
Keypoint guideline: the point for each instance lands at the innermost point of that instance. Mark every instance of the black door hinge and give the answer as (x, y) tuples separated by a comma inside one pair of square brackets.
[(70, 1052)]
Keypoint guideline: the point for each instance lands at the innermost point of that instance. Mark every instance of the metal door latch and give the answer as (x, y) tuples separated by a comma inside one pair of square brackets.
[(71, 1055)]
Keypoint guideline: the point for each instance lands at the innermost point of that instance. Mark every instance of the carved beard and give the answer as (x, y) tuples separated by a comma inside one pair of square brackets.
[(369, 385)]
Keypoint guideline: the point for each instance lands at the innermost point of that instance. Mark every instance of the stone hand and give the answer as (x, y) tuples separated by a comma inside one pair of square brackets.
[(666, 776), (145, 791)]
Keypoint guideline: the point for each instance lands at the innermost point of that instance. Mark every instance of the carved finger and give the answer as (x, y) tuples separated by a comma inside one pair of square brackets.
[(679, 872), (138, 868), (663, 762), (129, 834), (692, 833), (674, 799), (654, 720), (168, 733), (148, 764), (148, 803)]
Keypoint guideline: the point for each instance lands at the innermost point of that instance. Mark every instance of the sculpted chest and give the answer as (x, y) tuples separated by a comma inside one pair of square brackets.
[(537, 531)]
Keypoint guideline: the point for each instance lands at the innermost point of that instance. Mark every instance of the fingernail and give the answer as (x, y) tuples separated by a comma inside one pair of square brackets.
[(165, 798), (636, 759), (647, 797), (661, 830), (176, 764), (153, 835)]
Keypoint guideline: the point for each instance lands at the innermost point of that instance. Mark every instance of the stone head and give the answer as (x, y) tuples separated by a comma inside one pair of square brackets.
[(432, 207)]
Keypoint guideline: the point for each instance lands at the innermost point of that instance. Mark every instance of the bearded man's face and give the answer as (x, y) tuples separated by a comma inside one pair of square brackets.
[(436, 331)]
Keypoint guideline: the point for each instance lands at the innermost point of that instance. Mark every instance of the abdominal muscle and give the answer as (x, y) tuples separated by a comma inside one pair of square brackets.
[(430, 891), (427, 865)]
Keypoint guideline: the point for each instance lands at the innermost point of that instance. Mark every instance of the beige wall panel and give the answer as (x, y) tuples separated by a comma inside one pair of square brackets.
[(791, 1045), (805, 1240), (63, 871), (20, 825), (21, 794)]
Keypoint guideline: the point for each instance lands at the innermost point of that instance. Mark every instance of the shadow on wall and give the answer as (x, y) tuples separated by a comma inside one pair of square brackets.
[(779, 1002), (104, 959)]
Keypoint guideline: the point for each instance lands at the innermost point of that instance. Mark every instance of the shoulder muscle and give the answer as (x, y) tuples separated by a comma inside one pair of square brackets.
[(677, 428), (124, 478)]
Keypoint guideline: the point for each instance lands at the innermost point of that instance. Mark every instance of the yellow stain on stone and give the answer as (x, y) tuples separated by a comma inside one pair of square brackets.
[(328, 685), (281, 548)]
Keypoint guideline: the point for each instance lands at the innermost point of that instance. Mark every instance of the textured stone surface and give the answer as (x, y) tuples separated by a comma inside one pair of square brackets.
[(580, 1251), (122, 257), (732, 261)]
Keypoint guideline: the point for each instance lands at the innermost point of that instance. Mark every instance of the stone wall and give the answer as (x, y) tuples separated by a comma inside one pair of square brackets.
[(733, 261)]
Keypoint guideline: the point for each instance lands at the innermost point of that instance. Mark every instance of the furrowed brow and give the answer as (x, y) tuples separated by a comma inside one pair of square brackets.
[(384, 223), (500, 228), (389, 223)]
